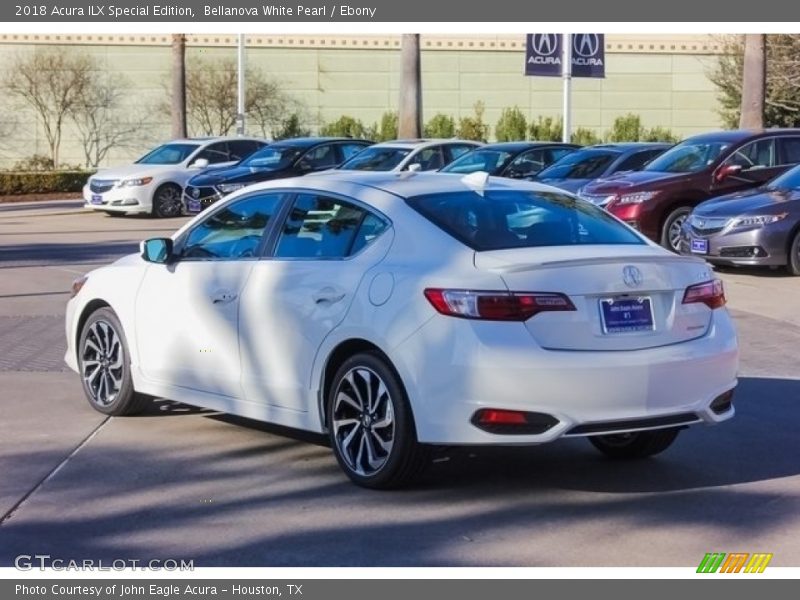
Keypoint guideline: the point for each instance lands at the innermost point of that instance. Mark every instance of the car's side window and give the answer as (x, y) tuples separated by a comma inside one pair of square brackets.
[(759, 154), (790, 149), (527, 164), (557, 154), (430, 159), (635, 161), (321, 157), (215, 153), (235, 231), (241, 149), (322, 227)]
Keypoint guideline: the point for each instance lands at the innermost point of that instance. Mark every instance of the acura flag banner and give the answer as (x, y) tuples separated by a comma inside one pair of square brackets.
[(543, 54)]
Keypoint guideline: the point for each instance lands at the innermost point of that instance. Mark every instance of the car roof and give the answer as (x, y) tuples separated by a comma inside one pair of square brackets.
[(210, 139), (404, 184), (307, 142), (738, 135), (422, 143), (626, 146), (522, 145)]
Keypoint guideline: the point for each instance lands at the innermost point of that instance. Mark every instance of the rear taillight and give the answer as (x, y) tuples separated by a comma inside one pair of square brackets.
[(710, 293), (496, 306)]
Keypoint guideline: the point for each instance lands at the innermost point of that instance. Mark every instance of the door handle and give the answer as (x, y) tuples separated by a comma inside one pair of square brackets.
[(328, 295), (223, 297)]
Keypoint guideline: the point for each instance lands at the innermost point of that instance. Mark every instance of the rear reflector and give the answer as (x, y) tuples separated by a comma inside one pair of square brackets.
[(496, 306), (722, 403), (711, 293), (512, 422)]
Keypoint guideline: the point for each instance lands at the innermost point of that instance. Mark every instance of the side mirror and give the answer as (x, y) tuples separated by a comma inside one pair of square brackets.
[(726, 171), (156, 250), (414, 167), (304, 166), (200, 163)]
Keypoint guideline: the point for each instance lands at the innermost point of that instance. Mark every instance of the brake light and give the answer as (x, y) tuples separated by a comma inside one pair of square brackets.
[(496, 306), (711, 293)]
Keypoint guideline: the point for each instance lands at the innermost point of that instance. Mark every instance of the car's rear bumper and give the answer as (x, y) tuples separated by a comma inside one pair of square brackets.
[(498, 365)]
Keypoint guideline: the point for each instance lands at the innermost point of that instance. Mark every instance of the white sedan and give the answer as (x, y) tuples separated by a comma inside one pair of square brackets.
[(396, 311), (154, 183)]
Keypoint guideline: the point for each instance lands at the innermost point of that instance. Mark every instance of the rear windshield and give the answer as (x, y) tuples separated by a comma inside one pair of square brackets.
[(583, 164), (496, 220), (376, 159)]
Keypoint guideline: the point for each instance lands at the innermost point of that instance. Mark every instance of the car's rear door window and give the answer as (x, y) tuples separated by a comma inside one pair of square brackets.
[(319, 226), (495, 220)]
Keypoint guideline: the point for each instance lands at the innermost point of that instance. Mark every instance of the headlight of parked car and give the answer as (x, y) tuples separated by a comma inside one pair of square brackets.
[(227, 188), (636, 197), (134, 182), (757, 220)]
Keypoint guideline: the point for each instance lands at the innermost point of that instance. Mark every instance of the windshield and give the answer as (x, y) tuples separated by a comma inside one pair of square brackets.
[(377, 159), (168, 154), (272, 157), (496, 220), (688, 157), (582, 164), (790, 180), (491, 161)]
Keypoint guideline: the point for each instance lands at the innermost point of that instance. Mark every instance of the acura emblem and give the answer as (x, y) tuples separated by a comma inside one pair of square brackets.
[(586, 44), (195, 192), (632, 276), (544, 43)]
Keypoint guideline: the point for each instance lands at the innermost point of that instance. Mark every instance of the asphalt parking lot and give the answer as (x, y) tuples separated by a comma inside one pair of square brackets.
[(184, 483)]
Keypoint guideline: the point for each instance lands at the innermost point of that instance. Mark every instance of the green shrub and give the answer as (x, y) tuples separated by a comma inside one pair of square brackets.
[(387, 129), (346, 126), (659, 134), (473, 127), (440, 126), (292, 127), (512, 126), (585, 137), (17, 183), (627, 128), (545, 129)]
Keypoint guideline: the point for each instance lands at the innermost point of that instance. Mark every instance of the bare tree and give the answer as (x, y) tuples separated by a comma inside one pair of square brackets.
[(50, 82), (102, 121), (211, 98), (782, 102), (410, 119), (754, 81), (178, 93)]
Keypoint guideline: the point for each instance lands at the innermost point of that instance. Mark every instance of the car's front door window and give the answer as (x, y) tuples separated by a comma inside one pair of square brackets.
[(215, 153), (233, 232)]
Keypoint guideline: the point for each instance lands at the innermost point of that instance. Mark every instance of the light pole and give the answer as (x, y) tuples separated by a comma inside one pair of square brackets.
[(240, 87), (566, 77)]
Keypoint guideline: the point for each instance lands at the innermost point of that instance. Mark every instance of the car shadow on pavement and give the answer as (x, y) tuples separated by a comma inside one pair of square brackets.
[(44, 253)]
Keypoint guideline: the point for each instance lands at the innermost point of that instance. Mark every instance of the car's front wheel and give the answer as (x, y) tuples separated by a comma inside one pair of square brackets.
[(371, 427), (671, 231), (167, 201), (793, 264), (638, 444), (104, 364)]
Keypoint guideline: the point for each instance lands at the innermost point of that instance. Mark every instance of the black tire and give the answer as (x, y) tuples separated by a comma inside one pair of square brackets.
[(668, 232), (793, 262), (640, 444), (405, 459), (104, 363), (167, 201)]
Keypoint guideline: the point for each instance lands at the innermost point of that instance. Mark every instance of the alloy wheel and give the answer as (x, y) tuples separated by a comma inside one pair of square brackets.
[(102, 363), (674, 234), (363, 421), (168, 201)]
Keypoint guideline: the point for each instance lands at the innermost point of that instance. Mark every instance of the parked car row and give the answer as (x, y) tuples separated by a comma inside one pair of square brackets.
[(653, 187)]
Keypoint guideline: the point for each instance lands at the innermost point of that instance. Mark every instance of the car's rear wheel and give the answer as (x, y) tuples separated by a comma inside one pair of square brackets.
[(371, 426), (104, 364), (793, 264), (638, 444), (671, 231), (167, 201)]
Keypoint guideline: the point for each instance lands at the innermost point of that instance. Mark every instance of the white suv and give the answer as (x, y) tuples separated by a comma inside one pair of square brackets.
[(154, 183), (401, 155)]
